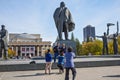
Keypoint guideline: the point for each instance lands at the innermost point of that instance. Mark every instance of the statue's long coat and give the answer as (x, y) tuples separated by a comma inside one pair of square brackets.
[(61, 16), (4, 38)]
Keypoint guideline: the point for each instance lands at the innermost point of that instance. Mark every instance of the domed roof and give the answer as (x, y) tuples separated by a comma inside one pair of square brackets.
[(25, 36)]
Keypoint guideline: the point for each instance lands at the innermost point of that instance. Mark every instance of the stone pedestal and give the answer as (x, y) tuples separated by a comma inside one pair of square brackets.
[(68, 43)]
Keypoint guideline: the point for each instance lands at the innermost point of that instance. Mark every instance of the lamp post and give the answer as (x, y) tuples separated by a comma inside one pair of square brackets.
[(108, 25)]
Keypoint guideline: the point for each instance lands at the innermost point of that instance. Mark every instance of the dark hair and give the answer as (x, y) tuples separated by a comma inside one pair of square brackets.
[(70, 49), (48, 50), (61, 52)]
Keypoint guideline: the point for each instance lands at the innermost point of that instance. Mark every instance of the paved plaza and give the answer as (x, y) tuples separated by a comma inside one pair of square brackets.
[(93, 73)]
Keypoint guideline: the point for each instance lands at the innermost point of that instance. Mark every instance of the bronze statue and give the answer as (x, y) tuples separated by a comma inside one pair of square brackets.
[(105, 37), (115, 41), (3, 42), (115, 44), (105, 43), (63, 21)]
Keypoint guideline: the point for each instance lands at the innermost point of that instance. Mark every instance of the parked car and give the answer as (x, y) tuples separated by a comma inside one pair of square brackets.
[(35, 60)]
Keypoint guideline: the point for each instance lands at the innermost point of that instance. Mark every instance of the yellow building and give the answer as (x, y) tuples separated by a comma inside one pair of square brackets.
[(28, 44)]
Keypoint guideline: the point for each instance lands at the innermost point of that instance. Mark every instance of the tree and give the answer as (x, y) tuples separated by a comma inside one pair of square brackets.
[(88, 39), (94, 48), (110, 47), (11, 52), (72, 37), (78, 47), (118, 44)]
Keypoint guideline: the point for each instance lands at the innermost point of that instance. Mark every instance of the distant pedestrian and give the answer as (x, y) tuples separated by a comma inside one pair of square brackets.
[(69, 64), (56, 51), (48, 58), (61, 61), (63, 47)]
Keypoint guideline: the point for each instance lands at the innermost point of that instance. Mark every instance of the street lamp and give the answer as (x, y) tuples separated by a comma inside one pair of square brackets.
[(108, 25)]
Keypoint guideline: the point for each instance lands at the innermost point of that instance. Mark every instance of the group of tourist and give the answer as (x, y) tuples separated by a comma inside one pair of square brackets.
[(65, 58)]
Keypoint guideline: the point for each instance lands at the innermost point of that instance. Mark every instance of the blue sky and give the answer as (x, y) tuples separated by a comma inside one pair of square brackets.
[(36, 16)]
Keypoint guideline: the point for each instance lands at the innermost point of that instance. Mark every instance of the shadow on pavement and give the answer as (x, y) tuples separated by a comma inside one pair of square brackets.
[(37, 74), (112, 76)]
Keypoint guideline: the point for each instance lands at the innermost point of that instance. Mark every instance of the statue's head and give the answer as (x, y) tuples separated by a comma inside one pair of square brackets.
[(3, 26), (62, 4), (105, 34)]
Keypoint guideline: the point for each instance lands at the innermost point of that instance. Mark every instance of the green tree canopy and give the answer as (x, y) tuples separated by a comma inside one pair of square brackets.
[(94, 48), (72, 37), (78, 47)]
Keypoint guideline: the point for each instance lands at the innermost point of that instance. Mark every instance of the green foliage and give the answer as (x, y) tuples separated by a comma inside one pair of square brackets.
[(119, 44), (11, 53), (72, 37), (78, 46), (88, 39), (110, 47), (93, 48)]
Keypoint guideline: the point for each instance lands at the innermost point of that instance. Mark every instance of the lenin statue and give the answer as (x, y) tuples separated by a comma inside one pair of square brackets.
[(63, 21), (3, 42)]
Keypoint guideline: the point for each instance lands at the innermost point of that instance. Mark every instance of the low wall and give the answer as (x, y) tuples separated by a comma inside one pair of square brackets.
[(41, 66)]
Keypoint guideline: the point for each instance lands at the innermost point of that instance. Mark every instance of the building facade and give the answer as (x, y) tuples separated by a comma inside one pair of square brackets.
[(89, 33), (28, 44)]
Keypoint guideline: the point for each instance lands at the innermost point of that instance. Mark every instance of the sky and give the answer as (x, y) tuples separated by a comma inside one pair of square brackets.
[(36, 16)]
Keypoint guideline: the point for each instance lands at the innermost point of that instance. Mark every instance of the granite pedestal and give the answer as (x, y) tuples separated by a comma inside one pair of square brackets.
[(68, 43)]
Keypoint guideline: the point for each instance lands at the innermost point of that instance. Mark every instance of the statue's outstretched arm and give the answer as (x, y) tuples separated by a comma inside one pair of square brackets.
[(99, 36)]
